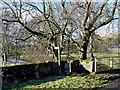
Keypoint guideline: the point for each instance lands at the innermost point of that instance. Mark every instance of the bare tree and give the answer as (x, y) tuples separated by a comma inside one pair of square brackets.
[(51, 21), (43, 23), (92, 16)]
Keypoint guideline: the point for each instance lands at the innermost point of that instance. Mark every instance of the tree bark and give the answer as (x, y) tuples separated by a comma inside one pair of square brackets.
[(91, 48), (68, 48), (84, 47), (55, 52)]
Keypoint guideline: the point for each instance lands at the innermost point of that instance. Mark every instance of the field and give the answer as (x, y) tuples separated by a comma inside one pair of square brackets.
[(78, 81), (106, 55), (101, 57), (75, 56), (107, 61), (90, 81)]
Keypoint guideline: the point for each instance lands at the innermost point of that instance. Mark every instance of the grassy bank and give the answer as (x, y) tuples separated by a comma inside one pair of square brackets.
[(78, 81)]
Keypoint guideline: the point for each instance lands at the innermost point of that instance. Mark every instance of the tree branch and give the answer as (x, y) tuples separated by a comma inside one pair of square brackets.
[(110, 18), (10, 8), (27, 28), (66, 17), (97, 16), (24, 38), (77, 44), (86, 15)]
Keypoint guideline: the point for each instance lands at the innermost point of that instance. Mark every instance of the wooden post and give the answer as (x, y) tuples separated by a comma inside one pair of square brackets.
[(111, 64), (70, 67), (1, 54), (4, 57), (1, 60), (95, 65), (58, 50), (59, 57), (16, 51)]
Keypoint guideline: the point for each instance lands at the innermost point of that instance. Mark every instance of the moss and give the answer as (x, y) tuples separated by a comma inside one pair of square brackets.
[(50, 61), (87, 61)]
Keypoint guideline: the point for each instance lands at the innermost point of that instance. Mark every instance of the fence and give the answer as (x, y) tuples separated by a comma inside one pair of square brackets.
[(104, 64), (21, 73)]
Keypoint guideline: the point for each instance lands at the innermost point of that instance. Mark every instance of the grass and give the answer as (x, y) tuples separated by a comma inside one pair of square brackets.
[(87, 82), (97, 55), (106, 55), (106, 61), (74, 57), (102, 67), (84, 82), (8, 64)]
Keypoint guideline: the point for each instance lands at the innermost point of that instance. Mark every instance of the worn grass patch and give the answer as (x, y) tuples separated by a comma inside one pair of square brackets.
[(85, 82)]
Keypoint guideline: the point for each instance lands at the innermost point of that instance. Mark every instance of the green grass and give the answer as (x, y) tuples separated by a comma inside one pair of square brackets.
[(87, 82), (8, 64), (97, 55), (74, 56), (105, 55), (104, 61), (102, 67)]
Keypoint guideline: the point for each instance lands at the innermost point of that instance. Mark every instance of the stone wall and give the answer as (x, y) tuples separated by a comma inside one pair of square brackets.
[(21, 73)]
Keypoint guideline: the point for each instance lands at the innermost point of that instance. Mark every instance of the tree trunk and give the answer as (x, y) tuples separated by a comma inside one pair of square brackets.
[(55, 52), (91, 48), (85, 47), (68, 48)]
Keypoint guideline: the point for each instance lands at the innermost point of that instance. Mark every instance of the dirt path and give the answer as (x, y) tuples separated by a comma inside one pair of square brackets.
[(116, 84)]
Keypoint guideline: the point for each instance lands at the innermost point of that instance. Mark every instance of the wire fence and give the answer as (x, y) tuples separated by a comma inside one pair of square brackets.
[(103, 64)]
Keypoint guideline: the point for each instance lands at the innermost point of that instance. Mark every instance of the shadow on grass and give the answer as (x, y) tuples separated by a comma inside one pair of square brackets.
[(112, 71), (112, 78), (102, 68), (31, 82)]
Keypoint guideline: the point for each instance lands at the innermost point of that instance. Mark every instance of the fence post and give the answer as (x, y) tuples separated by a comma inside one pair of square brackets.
[(95, 65), (70, 67), (111, 63), (1, 72), (1, 43)]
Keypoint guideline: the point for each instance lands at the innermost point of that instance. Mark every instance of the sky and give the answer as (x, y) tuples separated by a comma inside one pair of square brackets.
[(105, 30), (108, 29), (58, 0), (114, 27)]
